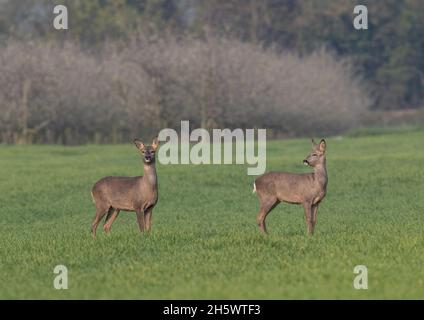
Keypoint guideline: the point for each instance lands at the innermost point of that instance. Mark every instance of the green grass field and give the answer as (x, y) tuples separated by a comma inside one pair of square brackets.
[(205, 243)]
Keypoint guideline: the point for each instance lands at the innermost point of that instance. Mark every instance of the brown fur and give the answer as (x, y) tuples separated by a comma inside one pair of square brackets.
[(138, 194), (307, 189)]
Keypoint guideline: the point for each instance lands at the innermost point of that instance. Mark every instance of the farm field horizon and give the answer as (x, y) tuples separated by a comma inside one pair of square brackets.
[(204, 242)]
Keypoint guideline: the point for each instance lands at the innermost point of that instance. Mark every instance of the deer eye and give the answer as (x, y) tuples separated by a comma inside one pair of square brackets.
[(315, 155)]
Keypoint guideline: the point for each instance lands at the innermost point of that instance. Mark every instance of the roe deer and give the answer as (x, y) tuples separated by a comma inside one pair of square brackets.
[(307, 189), (139, 194)]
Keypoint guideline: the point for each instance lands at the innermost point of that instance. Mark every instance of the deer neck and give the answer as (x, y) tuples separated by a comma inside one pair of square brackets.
[(320, 173), (150, 178)]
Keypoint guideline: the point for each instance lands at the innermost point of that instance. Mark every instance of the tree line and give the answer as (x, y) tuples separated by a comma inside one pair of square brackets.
[(389, 54), (60, 93), (125, 66)]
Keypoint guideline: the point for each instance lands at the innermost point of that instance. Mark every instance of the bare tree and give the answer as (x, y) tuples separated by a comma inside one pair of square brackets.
[(51, 93)]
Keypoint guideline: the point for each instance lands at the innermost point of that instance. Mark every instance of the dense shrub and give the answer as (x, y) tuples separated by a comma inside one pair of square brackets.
[(62, 94)]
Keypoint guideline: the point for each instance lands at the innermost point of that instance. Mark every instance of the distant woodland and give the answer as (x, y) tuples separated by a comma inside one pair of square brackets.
[(127, 68)]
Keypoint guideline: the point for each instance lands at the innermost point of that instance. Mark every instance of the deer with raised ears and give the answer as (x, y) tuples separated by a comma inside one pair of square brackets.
[(307, 189), (138, 194)]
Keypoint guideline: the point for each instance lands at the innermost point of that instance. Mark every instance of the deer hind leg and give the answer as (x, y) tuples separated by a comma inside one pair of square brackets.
[(110, 218), (100, 212), (266, 205), (307, 206)]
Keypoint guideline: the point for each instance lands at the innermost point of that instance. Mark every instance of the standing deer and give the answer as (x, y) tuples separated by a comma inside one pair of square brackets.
[(139, 194), (307, 189)]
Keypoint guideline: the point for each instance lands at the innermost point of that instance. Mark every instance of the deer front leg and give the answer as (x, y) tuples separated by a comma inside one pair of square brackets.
[(308, 217), (140, 219), (148, 218), (314, 216)]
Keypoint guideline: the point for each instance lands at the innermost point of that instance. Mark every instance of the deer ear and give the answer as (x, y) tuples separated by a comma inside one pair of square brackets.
[(155, 143), (139, 144), (313, 142), (322, 145)]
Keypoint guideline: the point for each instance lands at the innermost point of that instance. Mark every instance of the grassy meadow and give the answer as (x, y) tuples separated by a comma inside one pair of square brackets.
[(205, 243)]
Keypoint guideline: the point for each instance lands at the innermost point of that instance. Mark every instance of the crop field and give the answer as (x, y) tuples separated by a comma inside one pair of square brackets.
[(205, 243)]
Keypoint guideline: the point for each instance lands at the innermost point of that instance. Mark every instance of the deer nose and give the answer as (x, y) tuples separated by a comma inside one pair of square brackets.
[(305, 162)]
